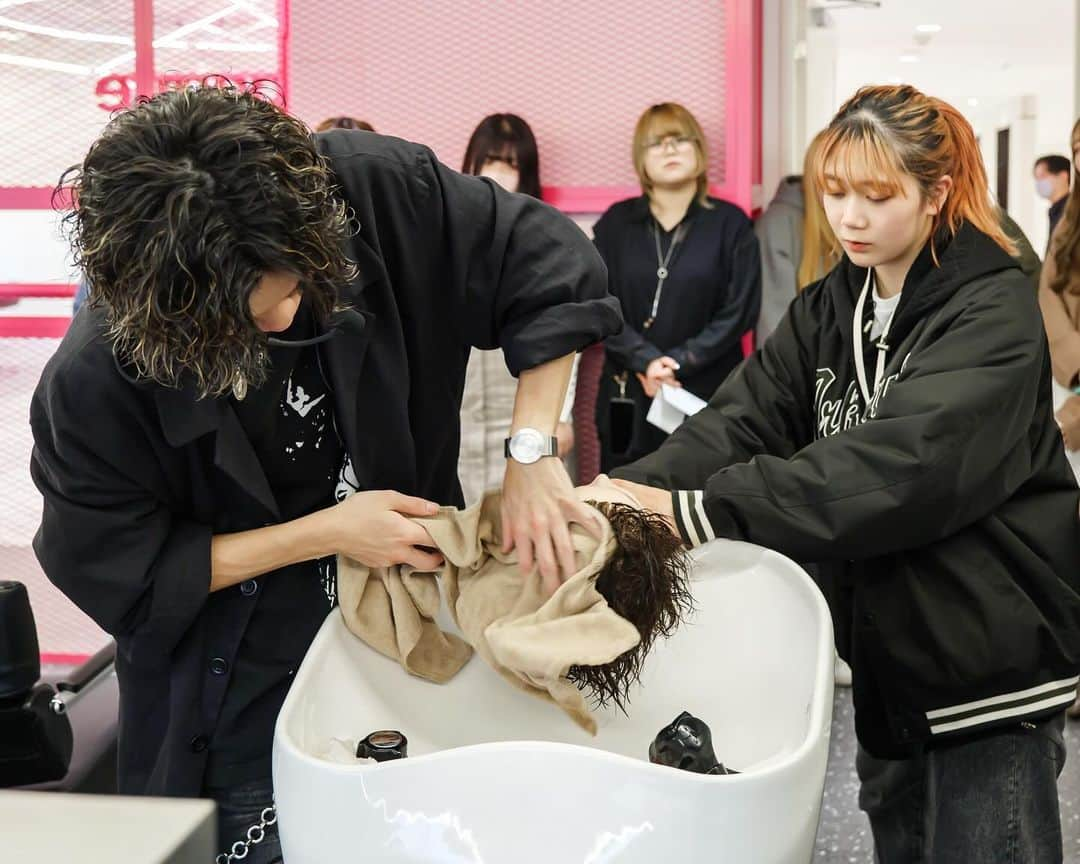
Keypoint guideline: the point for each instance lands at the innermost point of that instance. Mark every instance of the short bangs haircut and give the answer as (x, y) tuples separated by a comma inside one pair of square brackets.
[(664, 119), (509, 138), (857, 156)]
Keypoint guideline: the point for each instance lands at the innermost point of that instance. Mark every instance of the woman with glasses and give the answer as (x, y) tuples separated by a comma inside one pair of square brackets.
[(686, 271)]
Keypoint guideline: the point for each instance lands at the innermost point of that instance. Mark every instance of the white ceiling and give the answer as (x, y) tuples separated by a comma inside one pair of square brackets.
[(987, 50)]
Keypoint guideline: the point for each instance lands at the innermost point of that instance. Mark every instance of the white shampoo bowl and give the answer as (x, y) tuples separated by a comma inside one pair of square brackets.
[(496, 776)]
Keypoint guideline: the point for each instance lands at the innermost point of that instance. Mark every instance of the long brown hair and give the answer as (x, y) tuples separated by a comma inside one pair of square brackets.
[(883, 132), (1066, 239), (671, 118), (820, 251)]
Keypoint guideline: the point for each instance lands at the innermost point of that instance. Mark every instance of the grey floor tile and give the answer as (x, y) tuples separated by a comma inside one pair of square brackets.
[(844, 834)]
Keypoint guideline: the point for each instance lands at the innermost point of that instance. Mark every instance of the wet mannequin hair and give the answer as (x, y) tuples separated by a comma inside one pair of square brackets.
[(509, 138), (647, 582), (1065, 244), (344, 123), (884, 132)]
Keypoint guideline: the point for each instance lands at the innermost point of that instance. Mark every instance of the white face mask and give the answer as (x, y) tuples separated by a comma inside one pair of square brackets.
[(1044, 187)]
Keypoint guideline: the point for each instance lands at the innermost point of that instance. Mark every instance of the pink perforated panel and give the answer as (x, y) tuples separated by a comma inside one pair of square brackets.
[(580, 73), (67, 65)]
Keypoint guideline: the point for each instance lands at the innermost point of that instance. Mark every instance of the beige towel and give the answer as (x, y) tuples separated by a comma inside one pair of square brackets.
[(530, 639)]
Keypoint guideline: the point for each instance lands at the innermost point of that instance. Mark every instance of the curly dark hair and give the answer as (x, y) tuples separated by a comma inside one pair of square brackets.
[(647, 582), (181, 205)]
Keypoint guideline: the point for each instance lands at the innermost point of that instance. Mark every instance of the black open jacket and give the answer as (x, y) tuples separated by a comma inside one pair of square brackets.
[(944, 515), (137, 478)]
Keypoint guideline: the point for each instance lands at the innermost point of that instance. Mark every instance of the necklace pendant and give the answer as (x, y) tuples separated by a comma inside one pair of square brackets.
[(661, 272), (239, 387)]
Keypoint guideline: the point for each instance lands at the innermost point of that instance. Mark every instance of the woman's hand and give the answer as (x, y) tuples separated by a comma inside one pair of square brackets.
[(538, 505), (652, 499), (374, 529), (660, 371), (1068, 419)]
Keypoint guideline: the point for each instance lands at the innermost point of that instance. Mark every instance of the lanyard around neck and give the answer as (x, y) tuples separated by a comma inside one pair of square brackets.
[(662, 264), (882, 345)]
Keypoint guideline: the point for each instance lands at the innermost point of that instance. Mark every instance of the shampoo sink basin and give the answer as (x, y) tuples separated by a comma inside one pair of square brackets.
[(496, 776)]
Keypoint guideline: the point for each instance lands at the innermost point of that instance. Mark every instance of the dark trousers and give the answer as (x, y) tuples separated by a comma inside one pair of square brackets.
[(239, 808), (989, 798)]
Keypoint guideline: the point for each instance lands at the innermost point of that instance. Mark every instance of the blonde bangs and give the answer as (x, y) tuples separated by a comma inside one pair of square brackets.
[(666, 121), (860, 160), (659, 121)]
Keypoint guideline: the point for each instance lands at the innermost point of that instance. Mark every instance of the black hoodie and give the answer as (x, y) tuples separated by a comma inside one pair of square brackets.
[(945, 515)]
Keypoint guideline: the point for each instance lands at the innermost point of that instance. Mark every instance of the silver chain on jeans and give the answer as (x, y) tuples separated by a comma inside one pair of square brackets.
[(255, 835)]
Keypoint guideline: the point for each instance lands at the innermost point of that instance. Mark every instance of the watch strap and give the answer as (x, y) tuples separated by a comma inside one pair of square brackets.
[(552, 446)]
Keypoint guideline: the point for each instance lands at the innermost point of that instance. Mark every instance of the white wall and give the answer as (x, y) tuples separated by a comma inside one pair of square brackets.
[(1001, 62), (1039, 124), (32, 249)]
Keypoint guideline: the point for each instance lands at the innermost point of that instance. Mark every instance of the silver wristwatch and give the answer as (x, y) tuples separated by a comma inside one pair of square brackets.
[(529, 445)]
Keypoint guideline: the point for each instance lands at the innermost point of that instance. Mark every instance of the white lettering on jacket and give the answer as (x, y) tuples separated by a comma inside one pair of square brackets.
[(844, 410)]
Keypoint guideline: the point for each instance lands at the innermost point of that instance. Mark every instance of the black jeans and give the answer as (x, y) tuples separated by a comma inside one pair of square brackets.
[(989, 798), (239, 808)]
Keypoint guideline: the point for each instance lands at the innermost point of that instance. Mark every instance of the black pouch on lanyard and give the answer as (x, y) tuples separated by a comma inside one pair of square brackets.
[(621, 415)]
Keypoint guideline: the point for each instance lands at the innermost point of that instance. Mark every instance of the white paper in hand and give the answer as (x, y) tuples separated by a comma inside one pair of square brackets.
[(671, 405)]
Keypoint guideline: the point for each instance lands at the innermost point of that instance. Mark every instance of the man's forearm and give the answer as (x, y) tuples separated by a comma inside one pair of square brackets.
[(540, 394), (245, 554)]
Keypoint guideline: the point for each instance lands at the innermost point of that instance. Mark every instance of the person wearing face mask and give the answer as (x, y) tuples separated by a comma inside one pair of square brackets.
[(897, 428), (687, 272), (1052, 183), (503, 149)]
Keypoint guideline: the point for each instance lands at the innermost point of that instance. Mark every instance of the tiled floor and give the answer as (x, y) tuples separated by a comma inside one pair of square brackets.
[(844, 834)]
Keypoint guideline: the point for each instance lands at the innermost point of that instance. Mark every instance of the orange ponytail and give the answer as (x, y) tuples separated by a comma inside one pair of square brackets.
[(969, 199)]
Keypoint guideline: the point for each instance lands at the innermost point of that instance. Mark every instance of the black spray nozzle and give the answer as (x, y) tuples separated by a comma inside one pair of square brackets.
[(686, 744)]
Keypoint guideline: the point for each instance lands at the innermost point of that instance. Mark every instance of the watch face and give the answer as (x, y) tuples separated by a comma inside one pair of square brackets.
[(526, 446)]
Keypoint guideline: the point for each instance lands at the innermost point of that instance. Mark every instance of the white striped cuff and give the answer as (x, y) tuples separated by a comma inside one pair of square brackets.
[(689, 508), (1054, 694)]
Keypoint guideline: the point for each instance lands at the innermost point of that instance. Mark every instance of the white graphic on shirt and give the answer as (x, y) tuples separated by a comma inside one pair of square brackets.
[(347, 483), (298, 399), (328, 575)]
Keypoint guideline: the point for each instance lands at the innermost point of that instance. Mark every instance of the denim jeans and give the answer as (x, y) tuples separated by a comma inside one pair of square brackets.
[(239, 808), (990, 797)]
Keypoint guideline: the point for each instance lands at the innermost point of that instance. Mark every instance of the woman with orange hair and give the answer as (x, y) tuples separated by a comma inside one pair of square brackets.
[(897, 427)]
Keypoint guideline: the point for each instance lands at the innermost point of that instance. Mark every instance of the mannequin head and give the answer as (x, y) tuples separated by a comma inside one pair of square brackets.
[(646, 581)]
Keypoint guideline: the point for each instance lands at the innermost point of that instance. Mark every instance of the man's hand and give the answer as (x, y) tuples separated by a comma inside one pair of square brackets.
[(538, 505), (1068, 419), (373, 528), (652, 499)]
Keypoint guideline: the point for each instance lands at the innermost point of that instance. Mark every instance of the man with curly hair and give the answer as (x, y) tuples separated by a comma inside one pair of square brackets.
[(278, 321)]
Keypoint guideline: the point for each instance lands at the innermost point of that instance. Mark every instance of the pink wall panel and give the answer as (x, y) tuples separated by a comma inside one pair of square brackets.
[(580, 73)]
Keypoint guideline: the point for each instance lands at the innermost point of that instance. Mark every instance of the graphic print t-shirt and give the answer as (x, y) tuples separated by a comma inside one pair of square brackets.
[(289, 421)]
